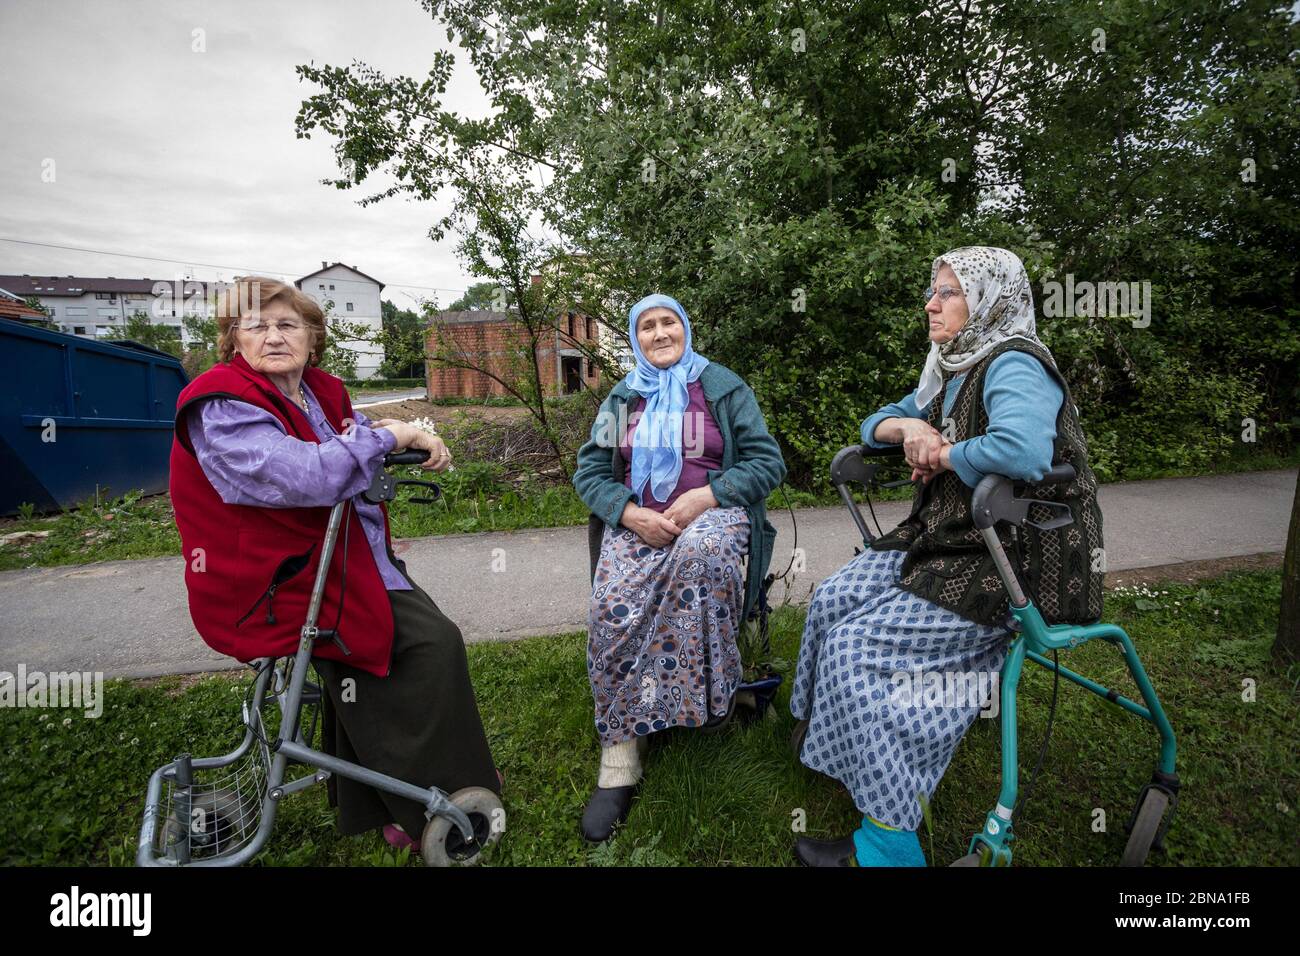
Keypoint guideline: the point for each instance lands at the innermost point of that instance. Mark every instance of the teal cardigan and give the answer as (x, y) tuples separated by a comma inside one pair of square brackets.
[(752, 466)]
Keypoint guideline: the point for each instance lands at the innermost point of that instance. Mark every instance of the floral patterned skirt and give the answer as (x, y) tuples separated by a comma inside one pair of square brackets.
[(661, 647)]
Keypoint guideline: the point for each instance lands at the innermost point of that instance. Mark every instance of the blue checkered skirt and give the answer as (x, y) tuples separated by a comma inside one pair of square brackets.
[(889, 683)]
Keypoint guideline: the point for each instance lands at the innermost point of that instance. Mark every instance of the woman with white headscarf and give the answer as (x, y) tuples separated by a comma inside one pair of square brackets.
[(668, 594), (924, 602)]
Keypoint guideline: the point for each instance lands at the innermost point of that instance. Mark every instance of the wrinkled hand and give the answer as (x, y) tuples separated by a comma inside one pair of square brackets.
[(944, 464), (922, 445), (690, 505), (411, 438), (649, 525)]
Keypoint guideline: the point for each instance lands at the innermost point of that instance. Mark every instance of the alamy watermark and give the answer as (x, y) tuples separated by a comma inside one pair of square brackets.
[(1098, 299), (949, 690), (79, 690)]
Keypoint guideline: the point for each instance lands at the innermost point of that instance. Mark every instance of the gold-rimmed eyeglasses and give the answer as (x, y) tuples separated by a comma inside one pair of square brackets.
[(258, 327)]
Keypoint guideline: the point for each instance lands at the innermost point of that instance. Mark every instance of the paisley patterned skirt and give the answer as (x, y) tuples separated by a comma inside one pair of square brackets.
[(661, 647)]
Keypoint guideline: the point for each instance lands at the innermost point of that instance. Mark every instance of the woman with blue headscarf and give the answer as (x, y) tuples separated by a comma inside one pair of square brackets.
[(676, 473)]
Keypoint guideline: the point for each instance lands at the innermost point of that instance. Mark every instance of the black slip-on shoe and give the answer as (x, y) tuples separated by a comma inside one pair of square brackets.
[(812, 852), (606, 809)]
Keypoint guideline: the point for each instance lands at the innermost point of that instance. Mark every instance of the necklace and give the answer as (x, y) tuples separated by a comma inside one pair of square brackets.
[(302, 393)]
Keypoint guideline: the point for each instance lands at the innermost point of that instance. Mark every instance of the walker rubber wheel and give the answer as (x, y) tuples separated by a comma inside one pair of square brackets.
[(717, 726), (1146, 826), (797, 737), (442, 844)]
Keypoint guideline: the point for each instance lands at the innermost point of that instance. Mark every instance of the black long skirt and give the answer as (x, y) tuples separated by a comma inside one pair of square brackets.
[(419, 724)]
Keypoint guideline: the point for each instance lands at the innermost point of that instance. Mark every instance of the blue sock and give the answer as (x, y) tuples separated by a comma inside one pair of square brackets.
[(879, 845)]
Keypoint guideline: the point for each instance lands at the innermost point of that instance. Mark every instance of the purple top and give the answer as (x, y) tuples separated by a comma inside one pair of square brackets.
[(701, 446), (250, 460)]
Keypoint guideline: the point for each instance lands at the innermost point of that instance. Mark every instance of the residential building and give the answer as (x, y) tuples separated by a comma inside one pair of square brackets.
[(349, 294), (492, 340)]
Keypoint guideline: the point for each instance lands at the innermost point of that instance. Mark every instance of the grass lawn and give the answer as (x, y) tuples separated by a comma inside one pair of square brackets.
[(72, 787)]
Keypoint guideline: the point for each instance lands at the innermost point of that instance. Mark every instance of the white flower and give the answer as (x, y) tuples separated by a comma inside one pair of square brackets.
[(67, 721)]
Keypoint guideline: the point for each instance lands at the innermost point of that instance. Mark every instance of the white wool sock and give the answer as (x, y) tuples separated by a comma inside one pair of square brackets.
[(620, 765)]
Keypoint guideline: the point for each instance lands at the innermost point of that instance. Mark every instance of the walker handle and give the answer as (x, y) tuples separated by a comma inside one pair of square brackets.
[(413, 456)]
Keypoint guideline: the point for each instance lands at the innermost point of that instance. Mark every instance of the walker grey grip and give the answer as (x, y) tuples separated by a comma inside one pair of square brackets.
[(849, 464), (414, 456)]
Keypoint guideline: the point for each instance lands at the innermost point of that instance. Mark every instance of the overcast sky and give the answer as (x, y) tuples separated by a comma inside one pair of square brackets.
[(162, 151)]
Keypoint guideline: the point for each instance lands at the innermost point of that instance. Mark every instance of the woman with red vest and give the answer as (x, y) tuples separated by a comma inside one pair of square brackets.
[(266, 444)]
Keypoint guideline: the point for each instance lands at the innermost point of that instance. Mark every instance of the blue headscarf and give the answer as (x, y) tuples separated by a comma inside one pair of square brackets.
[(657, 441)]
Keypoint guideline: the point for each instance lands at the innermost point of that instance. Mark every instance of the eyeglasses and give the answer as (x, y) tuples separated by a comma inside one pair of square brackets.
[(258, 327), (944, 292)]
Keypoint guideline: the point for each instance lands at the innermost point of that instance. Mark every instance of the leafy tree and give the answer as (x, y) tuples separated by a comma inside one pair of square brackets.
[(480, 295), (140, 329), (788, 171), (403, 342)]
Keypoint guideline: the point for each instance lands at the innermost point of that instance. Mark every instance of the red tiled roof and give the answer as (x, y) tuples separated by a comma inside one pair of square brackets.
[(13, 309)]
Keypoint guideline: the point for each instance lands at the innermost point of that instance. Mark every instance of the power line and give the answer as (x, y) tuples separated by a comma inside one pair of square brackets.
[(209, 265)]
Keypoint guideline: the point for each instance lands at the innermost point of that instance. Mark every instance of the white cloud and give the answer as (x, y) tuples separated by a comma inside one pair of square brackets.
[(166, 152)]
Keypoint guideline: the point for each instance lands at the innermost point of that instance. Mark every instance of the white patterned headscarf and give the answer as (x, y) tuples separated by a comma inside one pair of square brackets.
[(1001, 306)]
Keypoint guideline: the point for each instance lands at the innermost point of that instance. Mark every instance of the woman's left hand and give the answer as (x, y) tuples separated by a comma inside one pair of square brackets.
[(690, 505), (944, 464)]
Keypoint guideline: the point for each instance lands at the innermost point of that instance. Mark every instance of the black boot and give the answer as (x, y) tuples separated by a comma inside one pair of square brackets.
[(812, 852), (606, 809)]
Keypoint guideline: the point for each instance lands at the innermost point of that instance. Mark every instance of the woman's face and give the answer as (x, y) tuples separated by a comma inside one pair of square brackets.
[(946, 309), (278, 350), (661, 335)]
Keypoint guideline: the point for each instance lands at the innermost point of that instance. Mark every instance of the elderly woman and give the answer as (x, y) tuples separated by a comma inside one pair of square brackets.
[(266, 443), (926, 598), (668, 597)]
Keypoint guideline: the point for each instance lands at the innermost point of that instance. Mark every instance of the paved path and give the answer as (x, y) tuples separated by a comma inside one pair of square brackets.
[(383, 398), (130, 619)]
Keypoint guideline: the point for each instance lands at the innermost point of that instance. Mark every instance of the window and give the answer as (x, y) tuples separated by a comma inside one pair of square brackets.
[(74, 310), (591, 329), (570, 325), (53, 311), (107, 313), (79, 329), (349, 306), (321, 285), (331, 286)]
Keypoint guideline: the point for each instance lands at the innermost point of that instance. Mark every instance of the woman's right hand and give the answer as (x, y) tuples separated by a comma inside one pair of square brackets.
[(649, 525), (409, 437)]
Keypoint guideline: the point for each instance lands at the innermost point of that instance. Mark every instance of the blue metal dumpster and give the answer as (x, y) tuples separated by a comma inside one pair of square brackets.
[(80, 418)]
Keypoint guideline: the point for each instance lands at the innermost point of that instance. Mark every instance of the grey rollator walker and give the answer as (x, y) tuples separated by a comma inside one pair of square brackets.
[(219, 811)]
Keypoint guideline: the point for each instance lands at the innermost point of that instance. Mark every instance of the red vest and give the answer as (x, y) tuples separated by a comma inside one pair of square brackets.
[(233, 552)]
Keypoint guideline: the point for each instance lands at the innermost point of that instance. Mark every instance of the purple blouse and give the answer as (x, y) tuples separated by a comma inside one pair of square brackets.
[(701, 447), (250, 460)]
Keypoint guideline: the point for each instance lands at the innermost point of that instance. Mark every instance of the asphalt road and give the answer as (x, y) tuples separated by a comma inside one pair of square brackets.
[(130, 618)]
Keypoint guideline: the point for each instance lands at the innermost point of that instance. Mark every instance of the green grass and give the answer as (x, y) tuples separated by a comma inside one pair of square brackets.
[(73, 794)]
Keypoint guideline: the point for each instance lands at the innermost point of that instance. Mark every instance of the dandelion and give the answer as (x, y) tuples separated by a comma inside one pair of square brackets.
[(67, 721)]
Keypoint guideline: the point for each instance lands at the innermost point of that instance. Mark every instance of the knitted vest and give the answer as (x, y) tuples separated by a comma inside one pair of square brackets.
[(947, 561)]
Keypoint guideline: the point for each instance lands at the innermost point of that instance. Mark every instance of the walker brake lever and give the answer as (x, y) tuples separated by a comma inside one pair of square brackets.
[(437, 491)]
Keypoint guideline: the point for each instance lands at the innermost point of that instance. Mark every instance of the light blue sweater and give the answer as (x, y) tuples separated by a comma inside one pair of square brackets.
[(1022, 400)]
